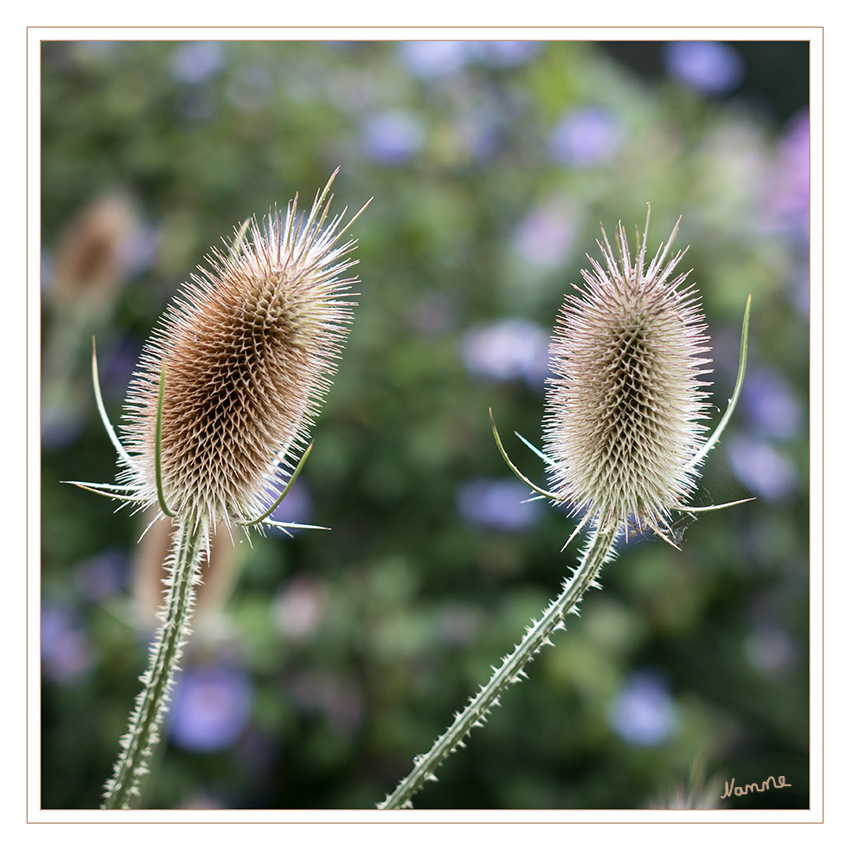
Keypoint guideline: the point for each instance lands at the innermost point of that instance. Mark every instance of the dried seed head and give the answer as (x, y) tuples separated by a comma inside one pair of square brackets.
[(92, 258), (623, 409), (248, 349)]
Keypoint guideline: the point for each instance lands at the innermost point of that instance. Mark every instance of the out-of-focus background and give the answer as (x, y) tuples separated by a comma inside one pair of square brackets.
[(322, 664)]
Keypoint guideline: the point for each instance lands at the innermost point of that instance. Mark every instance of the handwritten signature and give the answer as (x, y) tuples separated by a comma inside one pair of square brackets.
[(753, 786)]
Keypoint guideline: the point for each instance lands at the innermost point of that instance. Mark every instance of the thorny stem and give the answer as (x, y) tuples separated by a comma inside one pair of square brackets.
[(600, 549), (190, 541)]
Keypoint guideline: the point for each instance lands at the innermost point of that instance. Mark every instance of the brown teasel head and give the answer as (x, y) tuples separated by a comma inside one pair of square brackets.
[(625, 403), (92, 257), (248, 348)]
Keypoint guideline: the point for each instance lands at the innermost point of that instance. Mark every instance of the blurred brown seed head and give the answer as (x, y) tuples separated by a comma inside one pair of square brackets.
[(92, 255), (697, 792), (248, 347), (218, 572), (623, 409)]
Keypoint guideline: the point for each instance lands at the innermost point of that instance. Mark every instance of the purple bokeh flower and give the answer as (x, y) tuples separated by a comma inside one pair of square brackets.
[(767, 472), (392, 137), (497, 503), (142, 249), (297, 506), (66, 651), (118, 368), (504, 54), (103, 575), (788, 196), (47, 267), (546, 235), (585, 137), (197, 61), (210, 709), (433, 59), (477, 133), (509, 349), (771, 406), (643, 712), (60, 426), (710, 67)]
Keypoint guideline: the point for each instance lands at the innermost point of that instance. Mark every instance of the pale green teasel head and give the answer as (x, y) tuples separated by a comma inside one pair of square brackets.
[(623, 430)]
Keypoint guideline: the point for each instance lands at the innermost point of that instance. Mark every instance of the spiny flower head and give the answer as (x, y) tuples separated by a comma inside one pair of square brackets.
[(92, 259), (247, 349), (625, 404)]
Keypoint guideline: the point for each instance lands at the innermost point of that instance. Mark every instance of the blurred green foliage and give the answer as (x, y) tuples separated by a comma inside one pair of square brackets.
[(491, 168)]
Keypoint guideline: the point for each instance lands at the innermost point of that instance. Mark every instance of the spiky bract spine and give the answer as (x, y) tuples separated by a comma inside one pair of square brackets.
[(248, 349), (625, 404)]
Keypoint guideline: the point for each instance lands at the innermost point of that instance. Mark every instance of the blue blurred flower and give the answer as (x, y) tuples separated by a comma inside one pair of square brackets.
[(47, 265), (509, 349), (545, 236), (643, 712), (433, 59), (197, 61), (210, 708), (497, 503), (103, 575), (504, 54), (60, 426), (117, 367), (771, 406), (392, 137), (66, 651), (767, 472), (788, 199), (142, 249), (585, 137), (296, 507), (478, 132), (711, 67)]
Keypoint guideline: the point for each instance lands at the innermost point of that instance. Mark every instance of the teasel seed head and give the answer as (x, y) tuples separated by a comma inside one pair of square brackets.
[(92, 257), (247, 351), (624, 406)]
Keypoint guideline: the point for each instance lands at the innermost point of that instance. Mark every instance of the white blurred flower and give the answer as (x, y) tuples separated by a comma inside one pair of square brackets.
[(509, 349), (546, 235)]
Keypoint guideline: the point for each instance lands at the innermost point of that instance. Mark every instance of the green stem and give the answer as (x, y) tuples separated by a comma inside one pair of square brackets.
[(600, 549), (188, 547)]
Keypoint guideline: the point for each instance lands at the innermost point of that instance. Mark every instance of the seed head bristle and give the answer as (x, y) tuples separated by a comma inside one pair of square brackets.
[(249, 348), (625, 404)]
